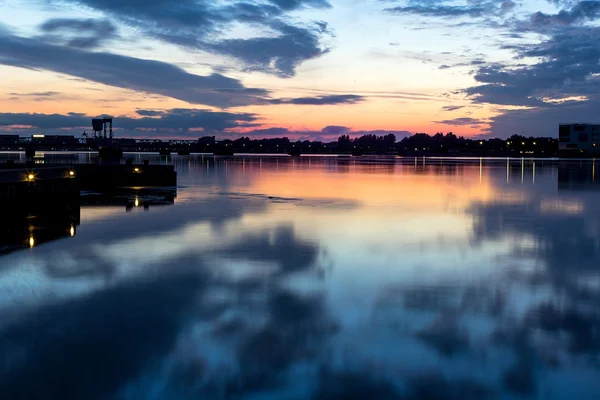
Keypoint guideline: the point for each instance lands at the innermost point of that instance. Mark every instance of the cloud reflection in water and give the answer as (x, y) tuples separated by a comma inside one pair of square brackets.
[(256, 289)]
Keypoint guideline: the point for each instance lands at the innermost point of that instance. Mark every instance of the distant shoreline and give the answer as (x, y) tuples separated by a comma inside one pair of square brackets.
[(332, 155)]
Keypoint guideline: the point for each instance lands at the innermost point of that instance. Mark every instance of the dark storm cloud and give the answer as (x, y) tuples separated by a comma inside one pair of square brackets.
[(141, 75), (336, 130), (439, 11), (567, 67), (461, 121), (278, 55), (165, 123), (178, 120), (555, 78), (127, 72), (195, 23), (435, 8), (582, 11), (452, 108), (562, 84), (543, 121), (150, 113), (321, 100), (43, 121), (79, 33), (294, 4)]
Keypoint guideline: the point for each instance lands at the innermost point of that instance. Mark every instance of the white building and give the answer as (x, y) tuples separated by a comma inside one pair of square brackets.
[(583, 138)]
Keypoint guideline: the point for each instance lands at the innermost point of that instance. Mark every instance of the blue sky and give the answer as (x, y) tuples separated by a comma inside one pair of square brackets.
[(301, 68)]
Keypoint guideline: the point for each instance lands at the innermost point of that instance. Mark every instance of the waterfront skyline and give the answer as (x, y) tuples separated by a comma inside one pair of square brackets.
[(306, 69)]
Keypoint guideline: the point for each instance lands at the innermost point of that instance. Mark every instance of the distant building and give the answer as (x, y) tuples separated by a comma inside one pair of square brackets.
[(207, 140), (583, 138), (54, 140), (127, 144)]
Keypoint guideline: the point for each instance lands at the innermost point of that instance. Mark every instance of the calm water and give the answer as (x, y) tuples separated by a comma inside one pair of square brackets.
[(313, 278)]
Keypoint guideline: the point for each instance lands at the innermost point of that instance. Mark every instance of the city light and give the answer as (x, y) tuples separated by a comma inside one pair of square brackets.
[(71, 173), (30, 177), (136, 170), (137, 202), (72, 231), (31, 242)]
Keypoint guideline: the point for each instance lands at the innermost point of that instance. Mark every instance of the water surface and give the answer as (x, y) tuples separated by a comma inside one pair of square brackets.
[(314, 278)]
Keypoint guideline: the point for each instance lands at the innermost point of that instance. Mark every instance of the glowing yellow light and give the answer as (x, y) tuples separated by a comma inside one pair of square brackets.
[(71, 173), (137, 202), (72, 231), (136, 170), (31, 242), (30, 177), (534, 143), (523, 143), (480, 142)]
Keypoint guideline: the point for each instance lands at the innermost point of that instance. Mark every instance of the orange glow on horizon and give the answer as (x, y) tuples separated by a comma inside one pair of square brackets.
[(374, 113)]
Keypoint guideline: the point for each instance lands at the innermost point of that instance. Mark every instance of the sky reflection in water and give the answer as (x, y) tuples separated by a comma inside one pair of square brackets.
[(320, 278)]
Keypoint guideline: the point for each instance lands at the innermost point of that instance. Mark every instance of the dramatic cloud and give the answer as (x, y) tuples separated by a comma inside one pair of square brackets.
[(582, 11), (566, 71), (141, 75), (83, 34), (197, 24), (278, 55), (174, 121), (542, 121), (128, 73)]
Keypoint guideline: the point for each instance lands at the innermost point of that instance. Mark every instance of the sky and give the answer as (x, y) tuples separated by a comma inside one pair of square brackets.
[(305, 69)]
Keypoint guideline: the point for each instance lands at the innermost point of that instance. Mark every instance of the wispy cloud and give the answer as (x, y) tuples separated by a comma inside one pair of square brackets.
[(321, 100)]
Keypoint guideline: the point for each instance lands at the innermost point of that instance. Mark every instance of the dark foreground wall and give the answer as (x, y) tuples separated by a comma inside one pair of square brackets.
[(32, 189), (122, 175)]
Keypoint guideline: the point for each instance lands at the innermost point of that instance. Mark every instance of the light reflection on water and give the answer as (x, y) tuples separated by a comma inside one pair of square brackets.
[(317, 278)]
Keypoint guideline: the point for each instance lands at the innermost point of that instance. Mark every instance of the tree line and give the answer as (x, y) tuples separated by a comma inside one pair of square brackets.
[(417, 144)]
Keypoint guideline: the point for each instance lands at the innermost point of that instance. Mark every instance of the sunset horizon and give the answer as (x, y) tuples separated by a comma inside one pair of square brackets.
[(305, 69)]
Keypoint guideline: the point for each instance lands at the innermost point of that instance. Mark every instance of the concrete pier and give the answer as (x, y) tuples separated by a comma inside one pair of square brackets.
[(33, 188), (42, 185), (125, 175)]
